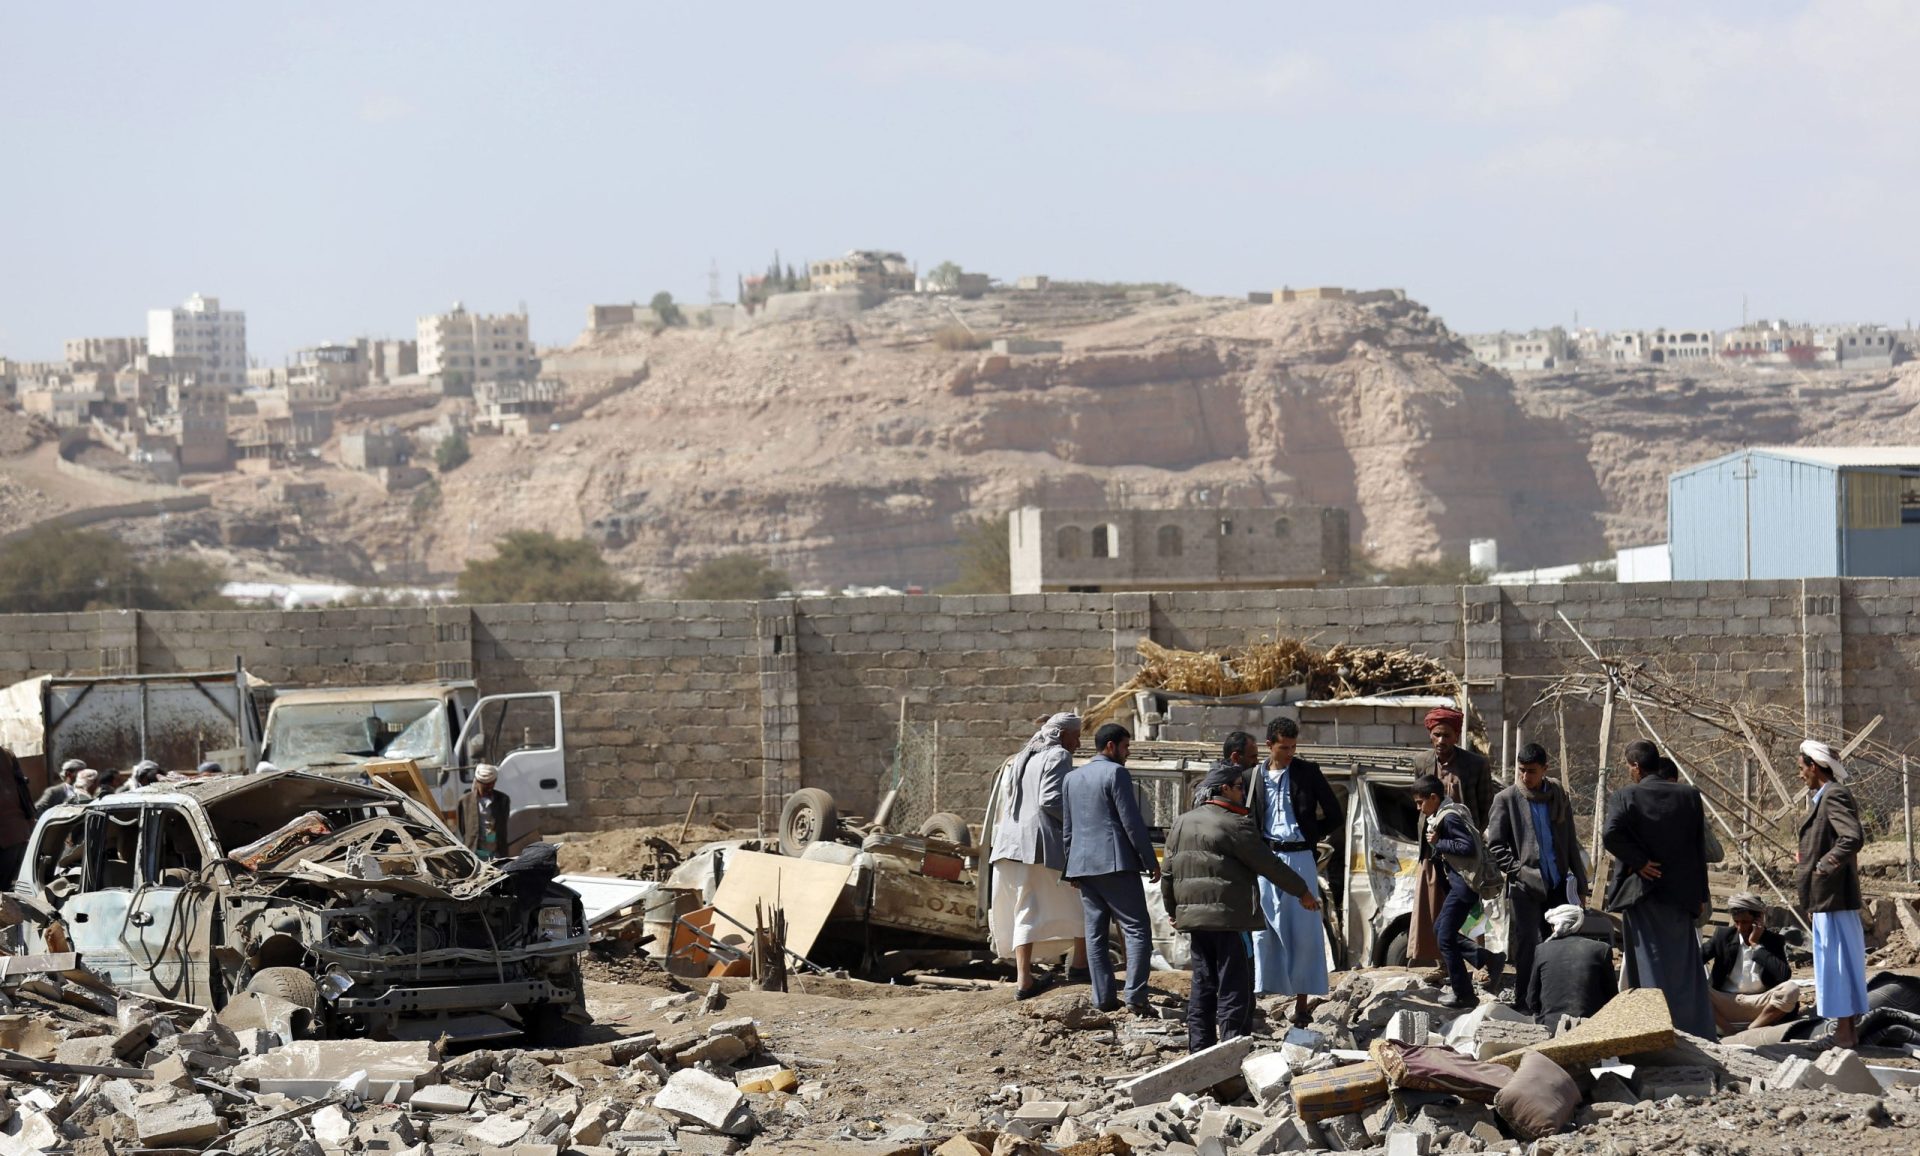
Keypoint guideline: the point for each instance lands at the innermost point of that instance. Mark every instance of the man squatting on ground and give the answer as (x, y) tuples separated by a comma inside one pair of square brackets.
[(1032, 909), (1214, 856), (1749, 980)]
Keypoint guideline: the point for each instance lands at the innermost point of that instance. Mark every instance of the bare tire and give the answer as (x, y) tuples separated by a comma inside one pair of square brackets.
[(949, 826), (1396, 953), (808, 817), (293, 985)]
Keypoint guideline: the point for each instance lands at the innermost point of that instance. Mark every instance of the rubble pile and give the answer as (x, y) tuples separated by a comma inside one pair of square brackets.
[(96, 1069), (1385, 1069)]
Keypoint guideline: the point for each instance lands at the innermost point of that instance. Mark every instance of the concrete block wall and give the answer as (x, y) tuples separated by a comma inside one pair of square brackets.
[(661, 700), (984, 666), (743, 702)]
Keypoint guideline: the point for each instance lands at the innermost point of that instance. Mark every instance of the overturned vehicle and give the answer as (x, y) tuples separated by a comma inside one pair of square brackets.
[(350, 901)]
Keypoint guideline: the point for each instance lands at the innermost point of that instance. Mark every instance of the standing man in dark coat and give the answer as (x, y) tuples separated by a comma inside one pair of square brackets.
[(16, 816), (483, 815), (1108, 848), (1294, 810), (1829, 878), (1530, 835), (1655, 831), (1463, 773), (1213, 858)]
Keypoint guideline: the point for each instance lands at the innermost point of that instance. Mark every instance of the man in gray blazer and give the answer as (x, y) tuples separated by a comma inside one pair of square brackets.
[(1108, 848)]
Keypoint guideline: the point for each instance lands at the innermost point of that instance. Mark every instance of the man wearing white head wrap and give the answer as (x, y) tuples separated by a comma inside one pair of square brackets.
[(1566, 919), (1748, 977), (1829, 879), (1572, 975), (481, 815), (1031, 908)]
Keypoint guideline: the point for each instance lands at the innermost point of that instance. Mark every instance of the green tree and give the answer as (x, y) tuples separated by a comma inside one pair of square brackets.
[(664, 308), (535, 566), (734, 576), (984, 559), (452, 452), (945, 276), (56, 569)]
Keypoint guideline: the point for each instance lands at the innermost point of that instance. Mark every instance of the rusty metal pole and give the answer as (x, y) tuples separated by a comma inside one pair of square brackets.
[(1906, 812)]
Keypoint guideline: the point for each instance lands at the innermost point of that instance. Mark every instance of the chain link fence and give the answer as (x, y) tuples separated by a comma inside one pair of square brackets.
[(916, 775)]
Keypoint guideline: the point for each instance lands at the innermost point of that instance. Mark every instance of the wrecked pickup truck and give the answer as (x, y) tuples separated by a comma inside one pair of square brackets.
[(350, 901)]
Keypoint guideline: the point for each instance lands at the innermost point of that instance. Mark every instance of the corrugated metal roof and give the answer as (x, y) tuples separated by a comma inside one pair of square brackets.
[(1843, 456)]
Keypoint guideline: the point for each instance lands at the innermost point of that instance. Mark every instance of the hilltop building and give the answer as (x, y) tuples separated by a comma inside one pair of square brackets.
[(460, 348), (200, 328), (1183, 549)]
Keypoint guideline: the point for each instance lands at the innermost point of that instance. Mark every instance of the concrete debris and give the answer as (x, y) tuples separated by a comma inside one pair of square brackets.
[(1410, 1027), (1191, 1073), (175, 1121), (694, 1095), (1845, 1072), (1267, 1076)]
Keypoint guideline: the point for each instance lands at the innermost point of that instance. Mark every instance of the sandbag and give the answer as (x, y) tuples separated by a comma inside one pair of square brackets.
[(1540, 1099), (1341, 1091), (1421, 1068)]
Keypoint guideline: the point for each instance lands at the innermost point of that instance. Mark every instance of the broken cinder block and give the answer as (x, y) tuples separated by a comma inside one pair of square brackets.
[(1410, 1027), (177, 1122), (1267, 1076), (692, 1094), (1191, 1073), (1846, 1072)]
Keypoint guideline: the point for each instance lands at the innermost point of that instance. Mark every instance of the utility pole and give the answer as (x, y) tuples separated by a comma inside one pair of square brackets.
[(1744, 474)]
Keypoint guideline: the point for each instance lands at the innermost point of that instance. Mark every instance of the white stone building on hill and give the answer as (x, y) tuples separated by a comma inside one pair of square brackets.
[(200, 328)]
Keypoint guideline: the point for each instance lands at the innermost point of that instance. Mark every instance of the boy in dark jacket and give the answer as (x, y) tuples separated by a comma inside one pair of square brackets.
[(1452, 844), (1213, 856)]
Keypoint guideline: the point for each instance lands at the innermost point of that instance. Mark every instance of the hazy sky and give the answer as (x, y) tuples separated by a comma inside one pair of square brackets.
[(341, 169)]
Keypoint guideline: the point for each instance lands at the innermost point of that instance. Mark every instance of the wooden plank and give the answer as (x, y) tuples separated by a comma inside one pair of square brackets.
[(23, 965), (805, 890), (1766, 764), (1853, 744)]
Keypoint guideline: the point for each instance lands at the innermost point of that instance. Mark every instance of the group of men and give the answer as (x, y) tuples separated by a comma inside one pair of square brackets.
[(1071, 847), (1241, 879), (78, 783)]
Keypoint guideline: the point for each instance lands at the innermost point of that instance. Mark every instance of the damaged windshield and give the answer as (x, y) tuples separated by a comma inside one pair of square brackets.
[(316, 734)]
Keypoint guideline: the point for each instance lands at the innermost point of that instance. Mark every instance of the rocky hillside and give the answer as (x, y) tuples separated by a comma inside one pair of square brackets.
[(850, 451)]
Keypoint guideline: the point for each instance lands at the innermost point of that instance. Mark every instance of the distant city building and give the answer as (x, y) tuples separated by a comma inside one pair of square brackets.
[(201, 329), (1867, 347), (1797, 512), (389, 359), (515, 408), (1659, 346), (1184, 549), (374, 449), (1534, 349), (1775, 343), (869, 270), (109, 353), (461, 348)]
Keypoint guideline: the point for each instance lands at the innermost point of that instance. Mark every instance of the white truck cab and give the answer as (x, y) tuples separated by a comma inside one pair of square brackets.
[(446, 728)]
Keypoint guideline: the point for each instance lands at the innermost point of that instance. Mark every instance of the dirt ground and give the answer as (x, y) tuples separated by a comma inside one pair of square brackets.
[(621, 852)]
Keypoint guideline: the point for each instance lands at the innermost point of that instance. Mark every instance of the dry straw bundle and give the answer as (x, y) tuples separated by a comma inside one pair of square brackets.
[(1342, 671)]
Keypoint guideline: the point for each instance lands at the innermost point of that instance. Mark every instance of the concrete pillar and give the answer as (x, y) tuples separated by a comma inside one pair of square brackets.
[(1822, 647), (776, 632)]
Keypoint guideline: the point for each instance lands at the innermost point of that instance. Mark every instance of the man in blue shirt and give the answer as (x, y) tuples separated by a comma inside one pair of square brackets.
[(1530, 835)]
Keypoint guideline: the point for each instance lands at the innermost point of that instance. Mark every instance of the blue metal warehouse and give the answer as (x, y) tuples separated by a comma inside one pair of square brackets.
[(1798, 512)]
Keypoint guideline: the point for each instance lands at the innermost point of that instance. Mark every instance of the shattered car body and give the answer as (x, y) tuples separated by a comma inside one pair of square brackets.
[(351, 901)]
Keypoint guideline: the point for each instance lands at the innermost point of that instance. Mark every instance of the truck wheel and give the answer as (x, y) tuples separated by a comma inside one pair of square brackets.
[(808, 817), (293, 985), (547, 1025), (1396, 953), (949, 826)]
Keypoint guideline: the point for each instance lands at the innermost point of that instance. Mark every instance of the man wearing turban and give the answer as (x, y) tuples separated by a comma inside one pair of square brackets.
[(1749, 979), (1464, 773), (1829, 879), (1031, 907)]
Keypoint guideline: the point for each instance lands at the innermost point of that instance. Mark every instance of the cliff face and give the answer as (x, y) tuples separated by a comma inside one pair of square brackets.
[(851, 452)]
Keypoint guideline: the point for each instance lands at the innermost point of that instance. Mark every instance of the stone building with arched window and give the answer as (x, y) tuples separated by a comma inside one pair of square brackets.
[(1180, 549)]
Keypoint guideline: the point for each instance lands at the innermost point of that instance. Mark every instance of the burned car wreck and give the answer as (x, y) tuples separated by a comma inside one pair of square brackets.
[(350, 901)]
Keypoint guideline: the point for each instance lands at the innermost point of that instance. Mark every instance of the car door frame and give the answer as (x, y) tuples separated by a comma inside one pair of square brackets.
[(538, 765), (169, 928)]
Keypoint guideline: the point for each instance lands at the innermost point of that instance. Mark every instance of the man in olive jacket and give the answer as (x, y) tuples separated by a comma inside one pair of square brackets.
[(1213, 857)]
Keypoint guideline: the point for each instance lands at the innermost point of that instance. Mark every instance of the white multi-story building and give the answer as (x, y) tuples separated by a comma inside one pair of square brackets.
[(463, 347), (200, 328)]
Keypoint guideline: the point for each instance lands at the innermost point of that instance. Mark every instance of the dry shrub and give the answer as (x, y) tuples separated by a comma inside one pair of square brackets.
[(958, 339)]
